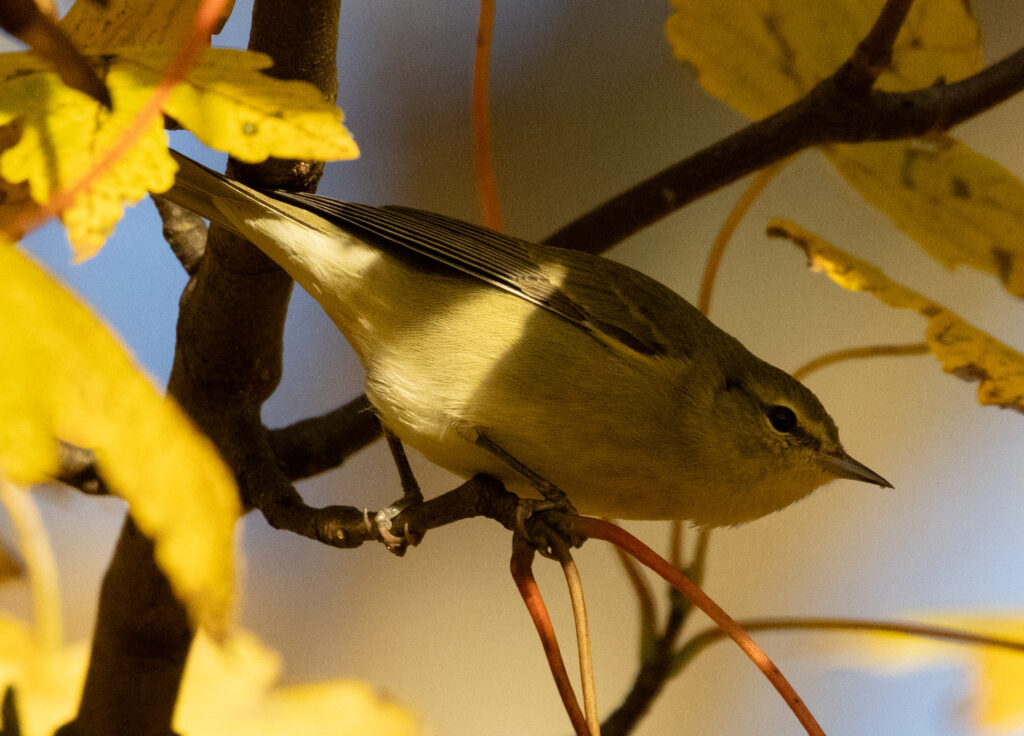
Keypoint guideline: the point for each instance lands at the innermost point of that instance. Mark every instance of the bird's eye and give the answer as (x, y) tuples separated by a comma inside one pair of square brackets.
[(782, 418)]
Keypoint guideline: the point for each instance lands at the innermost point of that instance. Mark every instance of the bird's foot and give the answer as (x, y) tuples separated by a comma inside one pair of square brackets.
[(547, 524), (383, 521)]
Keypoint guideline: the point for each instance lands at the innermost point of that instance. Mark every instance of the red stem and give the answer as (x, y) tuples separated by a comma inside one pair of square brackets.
[(600, 529), (522, 573)]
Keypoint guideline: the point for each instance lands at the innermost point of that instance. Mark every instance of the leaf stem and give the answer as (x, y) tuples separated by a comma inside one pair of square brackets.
[(522, 573), (40, 565), (867, 351), (486, 182), (732, 221), (579, 612), (709, 636), (599, 529), (644, 596)]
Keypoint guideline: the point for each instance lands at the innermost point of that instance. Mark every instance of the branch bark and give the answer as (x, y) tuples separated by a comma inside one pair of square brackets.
[(835, 111), (227, 362), (184, 231), (314, 445)]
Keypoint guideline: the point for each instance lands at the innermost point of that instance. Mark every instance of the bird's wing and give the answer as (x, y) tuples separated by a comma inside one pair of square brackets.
[(605, 298)]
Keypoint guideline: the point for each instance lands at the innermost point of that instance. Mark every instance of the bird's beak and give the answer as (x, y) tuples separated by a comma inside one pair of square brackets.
[(842, 465)]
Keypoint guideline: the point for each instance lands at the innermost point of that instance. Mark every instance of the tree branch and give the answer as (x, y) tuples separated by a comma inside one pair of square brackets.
[(184, 231), (873, 54), (314, 445), (832, 112), (78, 470), (654, 673), (348, 526), (303, 449), (227, 362)]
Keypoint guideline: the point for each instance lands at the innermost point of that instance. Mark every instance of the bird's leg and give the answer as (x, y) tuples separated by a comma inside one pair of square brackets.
[(411, 496), (555, 502), (551, 493), (410, 487)]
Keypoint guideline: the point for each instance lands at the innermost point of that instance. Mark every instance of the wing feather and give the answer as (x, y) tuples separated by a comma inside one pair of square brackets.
[(607, 299)]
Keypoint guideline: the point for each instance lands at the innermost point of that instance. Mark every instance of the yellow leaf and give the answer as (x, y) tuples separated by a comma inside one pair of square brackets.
[(227, 690), (65, 133), (996, 699), (47, 681), (964, 350), (962, 207), (63, 375), (98, 27), (225, 100), (230, 105), (230, 691), (761, 55)]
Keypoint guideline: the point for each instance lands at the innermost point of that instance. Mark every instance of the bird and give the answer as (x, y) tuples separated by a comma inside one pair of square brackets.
[(562, 374)]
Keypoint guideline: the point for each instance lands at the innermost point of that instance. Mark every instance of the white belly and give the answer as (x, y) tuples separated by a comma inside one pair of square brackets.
[(579, 423)]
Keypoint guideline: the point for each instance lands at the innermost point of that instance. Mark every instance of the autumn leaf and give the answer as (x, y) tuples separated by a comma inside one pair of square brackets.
[(63, 375), (964, 350), (760, 55), (229, 689), (65, 133), (98, 27), (225, 100), (34, 23), (230, 105), (996, 696), (961, 206), (47, 680)]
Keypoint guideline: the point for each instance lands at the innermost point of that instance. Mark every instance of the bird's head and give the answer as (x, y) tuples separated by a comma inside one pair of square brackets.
[(774, 443)]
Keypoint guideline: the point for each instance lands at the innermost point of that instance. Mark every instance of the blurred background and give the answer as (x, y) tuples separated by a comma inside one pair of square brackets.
[(586, 100)]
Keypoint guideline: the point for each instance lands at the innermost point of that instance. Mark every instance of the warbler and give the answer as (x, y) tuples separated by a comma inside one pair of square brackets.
[(552, 370)]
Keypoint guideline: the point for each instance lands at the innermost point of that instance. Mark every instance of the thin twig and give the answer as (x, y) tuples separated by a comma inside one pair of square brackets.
[(644, 596), (695, 570), (486, 182), (709, 636), (675, 543), (654, 672), (873, 54), (24, 19), (599, 529), (522, 573), (303, 449), (40, 564), (725, 233), (579, 612), (347, 526), (868, 351)]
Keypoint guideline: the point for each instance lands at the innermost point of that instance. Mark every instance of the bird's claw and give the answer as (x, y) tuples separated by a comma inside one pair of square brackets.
[(539, 521), (383, 521)]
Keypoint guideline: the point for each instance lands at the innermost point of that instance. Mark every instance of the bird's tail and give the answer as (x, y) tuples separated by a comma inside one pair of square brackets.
[(198, 188)]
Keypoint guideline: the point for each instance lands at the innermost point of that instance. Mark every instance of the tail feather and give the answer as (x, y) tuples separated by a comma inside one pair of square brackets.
[(198, 188)]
